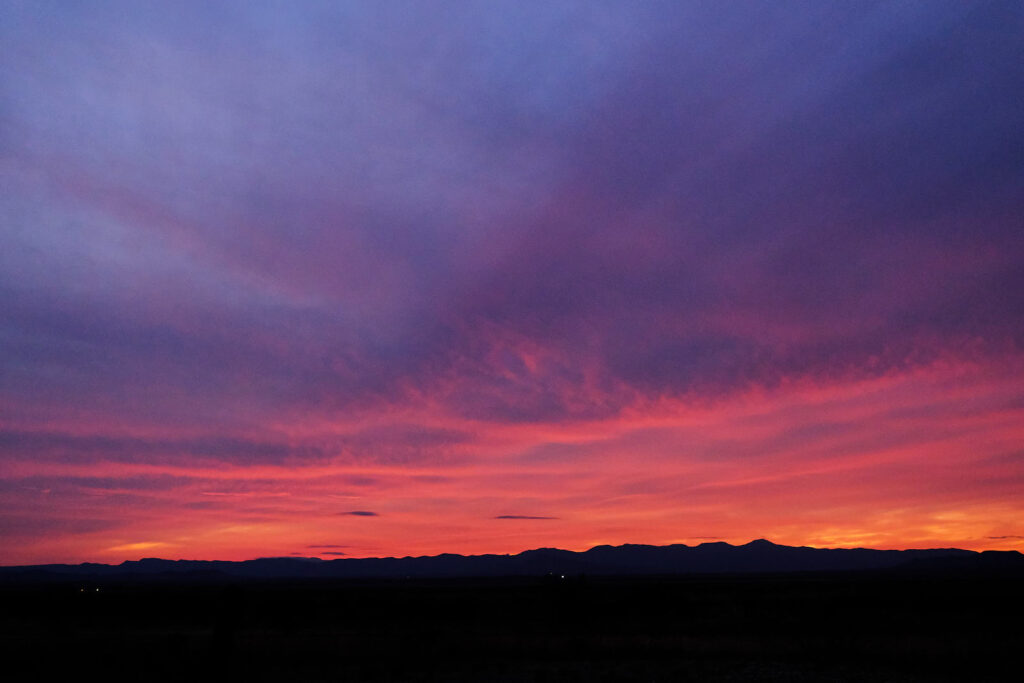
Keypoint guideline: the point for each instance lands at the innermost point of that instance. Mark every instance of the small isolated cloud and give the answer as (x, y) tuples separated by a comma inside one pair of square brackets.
[(523, 517), (1004, 538), (360, 513), (331, 552), (327, 545)]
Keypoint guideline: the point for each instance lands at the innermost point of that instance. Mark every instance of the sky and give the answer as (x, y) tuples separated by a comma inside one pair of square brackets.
[(349, 279)]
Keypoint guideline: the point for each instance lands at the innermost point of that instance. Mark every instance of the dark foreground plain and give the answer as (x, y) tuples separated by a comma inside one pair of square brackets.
[(810, 627)]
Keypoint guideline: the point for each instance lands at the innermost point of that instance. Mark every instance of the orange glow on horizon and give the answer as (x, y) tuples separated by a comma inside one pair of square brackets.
[(888, 470)]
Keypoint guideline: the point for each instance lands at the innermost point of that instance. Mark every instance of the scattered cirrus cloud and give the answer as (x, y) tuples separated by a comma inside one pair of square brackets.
[(360, 513), (523, 517)]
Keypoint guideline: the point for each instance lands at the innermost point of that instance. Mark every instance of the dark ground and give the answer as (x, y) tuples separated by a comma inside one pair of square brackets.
[(763, 628)]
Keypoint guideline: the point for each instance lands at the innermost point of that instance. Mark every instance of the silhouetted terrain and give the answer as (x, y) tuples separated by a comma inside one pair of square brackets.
[(626, 560), (834, 627), (910, 616)]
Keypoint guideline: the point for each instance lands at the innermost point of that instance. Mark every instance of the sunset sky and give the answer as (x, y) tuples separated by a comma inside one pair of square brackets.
[(346, 279)]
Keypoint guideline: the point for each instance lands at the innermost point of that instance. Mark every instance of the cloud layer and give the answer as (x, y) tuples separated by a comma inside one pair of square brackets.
[(446, 263)]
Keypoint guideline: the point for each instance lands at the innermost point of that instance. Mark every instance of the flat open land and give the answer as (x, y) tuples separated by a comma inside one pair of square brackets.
[(764, 628)]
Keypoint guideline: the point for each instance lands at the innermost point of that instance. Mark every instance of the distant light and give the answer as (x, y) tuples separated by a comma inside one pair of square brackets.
[(563, 576), (97, 590)]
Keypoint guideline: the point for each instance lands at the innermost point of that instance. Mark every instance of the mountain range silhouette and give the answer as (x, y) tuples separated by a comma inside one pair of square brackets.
[(758, 556)]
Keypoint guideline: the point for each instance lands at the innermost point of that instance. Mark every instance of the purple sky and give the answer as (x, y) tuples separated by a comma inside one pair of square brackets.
[(452, 255)]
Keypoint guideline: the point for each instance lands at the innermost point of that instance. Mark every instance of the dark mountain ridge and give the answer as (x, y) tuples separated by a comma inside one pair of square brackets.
[(758, 556)]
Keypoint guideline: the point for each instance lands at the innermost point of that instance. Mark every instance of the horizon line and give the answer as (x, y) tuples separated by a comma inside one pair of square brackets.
[(512, 554)]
